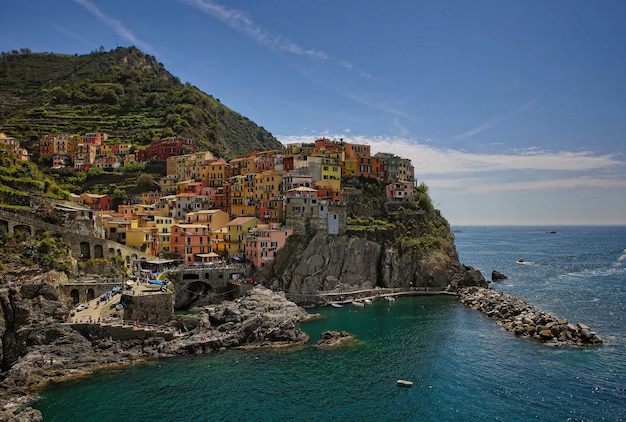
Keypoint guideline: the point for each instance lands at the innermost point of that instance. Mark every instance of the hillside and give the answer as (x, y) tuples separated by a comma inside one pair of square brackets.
[(124, 93), (21, 179)]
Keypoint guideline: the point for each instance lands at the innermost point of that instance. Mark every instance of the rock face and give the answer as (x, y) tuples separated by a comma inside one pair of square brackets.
[(327, 262), (525, 320), (261, 318)]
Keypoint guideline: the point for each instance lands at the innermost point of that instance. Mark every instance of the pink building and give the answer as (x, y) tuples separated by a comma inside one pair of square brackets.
[(401, 191), (263, 243)]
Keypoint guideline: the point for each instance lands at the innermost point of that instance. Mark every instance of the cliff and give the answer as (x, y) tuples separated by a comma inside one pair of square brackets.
[(385, 244)]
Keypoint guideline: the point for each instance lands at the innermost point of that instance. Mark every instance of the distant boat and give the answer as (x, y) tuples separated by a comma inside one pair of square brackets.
[(520, 261), (390, 298), (404, 383), (551, 232), (358, 303), (367, 301), (336, 305)]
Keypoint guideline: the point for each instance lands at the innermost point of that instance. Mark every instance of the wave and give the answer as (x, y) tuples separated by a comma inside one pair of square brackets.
[(618, 261)]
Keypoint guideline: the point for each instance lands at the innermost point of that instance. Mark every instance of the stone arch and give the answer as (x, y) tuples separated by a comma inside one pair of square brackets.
[(4, 226), (127, 259), (119, 252), (190, 276), (97, 251), (111, 252), (85, 250), (91, 294), (75, 295)]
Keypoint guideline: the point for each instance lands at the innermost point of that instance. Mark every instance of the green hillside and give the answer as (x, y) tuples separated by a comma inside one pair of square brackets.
[(21, 179), (124, 93)]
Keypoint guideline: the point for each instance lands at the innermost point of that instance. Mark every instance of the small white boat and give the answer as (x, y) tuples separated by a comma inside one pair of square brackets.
[(390, 298), (336, 305), (358, 303), (367, 301), (520, 261), (404, 383)]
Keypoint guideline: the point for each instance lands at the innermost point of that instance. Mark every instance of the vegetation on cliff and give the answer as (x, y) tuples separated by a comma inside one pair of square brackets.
[(124, 93), (413, 225), (21, 179)]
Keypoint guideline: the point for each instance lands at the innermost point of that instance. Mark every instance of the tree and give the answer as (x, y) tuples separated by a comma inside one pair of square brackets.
[(146, 180)]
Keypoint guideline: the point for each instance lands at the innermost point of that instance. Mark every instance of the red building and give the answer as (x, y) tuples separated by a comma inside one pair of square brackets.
[(97, 202), (164, 148)]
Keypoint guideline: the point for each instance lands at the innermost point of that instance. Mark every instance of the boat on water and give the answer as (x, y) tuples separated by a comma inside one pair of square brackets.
[(520, 261), (336, 305), (551, 232), (358, 303), (390, 298), (404, 383), (367, 301)]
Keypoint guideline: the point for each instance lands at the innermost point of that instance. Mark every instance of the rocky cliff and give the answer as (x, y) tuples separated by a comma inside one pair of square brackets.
[(398, 245)]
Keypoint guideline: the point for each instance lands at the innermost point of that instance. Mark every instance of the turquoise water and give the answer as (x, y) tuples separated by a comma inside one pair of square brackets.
[(463, 366)]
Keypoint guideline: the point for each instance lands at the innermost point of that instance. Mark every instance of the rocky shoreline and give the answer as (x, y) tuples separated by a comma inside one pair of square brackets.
[(39, 348), (527, 321)]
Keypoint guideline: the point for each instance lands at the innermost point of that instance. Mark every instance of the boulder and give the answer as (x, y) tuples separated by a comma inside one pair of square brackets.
[(497, 276), (333, 339)]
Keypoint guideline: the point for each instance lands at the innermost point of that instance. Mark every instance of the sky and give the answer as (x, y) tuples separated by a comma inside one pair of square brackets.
[(512, 112)]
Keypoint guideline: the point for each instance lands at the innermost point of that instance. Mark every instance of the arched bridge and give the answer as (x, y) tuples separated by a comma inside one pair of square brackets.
[(79, 236)]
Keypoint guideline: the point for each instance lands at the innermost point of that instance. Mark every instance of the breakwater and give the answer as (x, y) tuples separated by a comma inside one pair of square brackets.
[(525, 320)]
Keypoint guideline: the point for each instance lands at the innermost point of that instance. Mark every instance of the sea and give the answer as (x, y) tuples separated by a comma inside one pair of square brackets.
[(463, 366)]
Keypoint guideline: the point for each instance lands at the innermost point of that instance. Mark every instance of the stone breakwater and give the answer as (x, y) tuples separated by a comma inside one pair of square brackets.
[(525, 320)]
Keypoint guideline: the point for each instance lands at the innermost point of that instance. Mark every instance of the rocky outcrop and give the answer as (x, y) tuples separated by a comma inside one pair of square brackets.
[(327, 262), (525, 320), (261, 318), (333, 339), (497, 276)]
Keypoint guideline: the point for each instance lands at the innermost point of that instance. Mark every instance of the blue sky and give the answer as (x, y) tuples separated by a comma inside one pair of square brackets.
[(512, 112)]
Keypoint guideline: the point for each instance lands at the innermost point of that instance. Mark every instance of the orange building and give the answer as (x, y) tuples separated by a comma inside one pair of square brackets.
[(188, 240)]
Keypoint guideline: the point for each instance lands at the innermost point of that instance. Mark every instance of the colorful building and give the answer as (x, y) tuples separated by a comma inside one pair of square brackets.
[(164, 148), (237, 231), (187, 240), (263, 243)]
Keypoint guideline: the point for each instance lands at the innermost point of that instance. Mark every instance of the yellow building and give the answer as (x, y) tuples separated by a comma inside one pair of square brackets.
[(218, 241), (350, 167), (214, 219), (140, 238), (218, 172), (237, 185), (116, 229), (331, 169), (236, 237), (164, 233)]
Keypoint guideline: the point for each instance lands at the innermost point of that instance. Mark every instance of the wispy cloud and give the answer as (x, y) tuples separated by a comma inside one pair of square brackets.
[(488, 125), (116, 25), (73, 35), (240, 21)]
